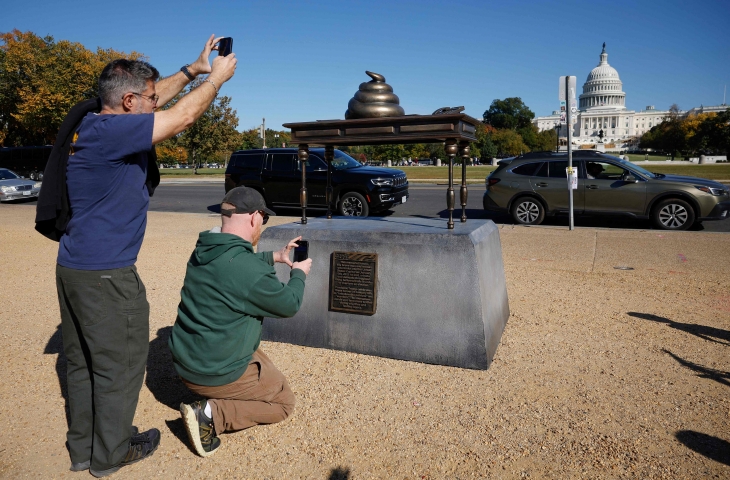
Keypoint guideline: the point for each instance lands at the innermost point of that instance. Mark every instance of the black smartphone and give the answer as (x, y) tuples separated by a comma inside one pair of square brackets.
[(225, 46), (301, 251)]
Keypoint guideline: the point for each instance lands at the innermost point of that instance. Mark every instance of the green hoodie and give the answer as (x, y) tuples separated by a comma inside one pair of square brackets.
[(227, 292)]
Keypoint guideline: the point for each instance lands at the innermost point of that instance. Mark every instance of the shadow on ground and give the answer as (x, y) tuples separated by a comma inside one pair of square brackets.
[(339, 473), (711, 447), (703, 372), (711, 334), (55, 347), (162, 379)]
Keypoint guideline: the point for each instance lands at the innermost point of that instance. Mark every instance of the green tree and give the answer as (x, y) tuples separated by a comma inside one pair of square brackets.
[(213, 135), (40, 80), (510, 113), (508, 143)]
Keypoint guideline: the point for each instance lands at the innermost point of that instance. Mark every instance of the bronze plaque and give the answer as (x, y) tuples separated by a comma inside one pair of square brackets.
[(354, 282)]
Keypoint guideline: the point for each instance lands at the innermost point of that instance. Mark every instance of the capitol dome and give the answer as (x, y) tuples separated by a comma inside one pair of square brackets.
[(603, 89)]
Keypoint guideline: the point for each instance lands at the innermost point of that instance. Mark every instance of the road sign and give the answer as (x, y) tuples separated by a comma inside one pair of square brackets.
[(571, 90)]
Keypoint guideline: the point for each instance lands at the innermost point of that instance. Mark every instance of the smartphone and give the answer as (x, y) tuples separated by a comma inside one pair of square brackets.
[(301, 251), (225, 46)]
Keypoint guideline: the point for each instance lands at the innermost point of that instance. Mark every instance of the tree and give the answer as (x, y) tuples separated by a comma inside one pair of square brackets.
[(213, 133), (40, 80), (508, 143), (509, 113)]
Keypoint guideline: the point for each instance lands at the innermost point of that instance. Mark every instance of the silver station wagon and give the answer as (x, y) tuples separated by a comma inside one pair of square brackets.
[(534, 185)]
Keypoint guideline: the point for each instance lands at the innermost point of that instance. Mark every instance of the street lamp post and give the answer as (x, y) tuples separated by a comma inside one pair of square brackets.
[(557, 138), (276, 139)]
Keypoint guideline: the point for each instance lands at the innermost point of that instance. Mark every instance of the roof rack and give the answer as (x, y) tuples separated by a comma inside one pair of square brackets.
[(577, 153)]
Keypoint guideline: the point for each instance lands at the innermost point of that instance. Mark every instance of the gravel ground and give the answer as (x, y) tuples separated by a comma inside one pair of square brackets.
[(601, 373)]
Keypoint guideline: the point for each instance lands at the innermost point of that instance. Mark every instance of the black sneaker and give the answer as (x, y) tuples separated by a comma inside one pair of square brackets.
[(200, 428), (81, 466), (141, 446)]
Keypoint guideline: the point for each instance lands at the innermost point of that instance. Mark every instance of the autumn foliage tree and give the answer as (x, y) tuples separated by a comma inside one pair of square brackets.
[(40, 80), (703, 133), (213, 135)]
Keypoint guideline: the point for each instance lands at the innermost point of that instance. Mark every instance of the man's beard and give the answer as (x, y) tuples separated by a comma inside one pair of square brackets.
[(256, 236)]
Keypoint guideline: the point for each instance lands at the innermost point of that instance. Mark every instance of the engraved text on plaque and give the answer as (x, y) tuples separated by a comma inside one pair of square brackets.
[(353, 284)]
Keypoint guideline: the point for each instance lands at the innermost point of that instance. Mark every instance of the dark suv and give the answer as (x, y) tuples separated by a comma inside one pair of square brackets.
[(535, 184), (358, 190)]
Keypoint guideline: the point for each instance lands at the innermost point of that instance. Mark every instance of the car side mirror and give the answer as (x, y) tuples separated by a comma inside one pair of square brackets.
[(630, 179)]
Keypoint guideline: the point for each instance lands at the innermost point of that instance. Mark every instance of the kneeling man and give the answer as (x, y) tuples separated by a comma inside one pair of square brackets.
[(227, 292)]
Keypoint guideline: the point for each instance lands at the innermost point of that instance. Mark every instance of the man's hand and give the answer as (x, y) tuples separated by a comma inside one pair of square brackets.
[(202, 64), (304, 266), (223, 69), (282, 256)]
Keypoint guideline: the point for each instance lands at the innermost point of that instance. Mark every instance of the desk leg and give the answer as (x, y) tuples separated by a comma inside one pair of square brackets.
[(303, 157), (329, 155), (464, 153), (451, 149)]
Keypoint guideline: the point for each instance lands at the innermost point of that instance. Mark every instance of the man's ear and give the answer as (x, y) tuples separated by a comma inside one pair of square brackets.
[(128, 102), (252, 219)]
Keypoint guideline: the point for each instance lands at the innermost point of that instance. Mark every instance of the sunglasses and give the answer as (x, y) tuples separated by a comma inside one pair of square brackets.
[(265, 215)]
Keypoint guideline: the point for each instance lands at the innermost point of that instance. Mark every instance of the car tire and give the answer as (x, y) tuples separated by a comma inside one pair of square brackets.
[(352, 204), (673, 214), (528, 211)]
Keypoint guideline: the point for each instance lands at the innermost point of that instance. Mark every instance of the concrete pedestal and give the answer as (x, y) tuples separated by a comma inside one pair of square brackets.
[(441, 294)]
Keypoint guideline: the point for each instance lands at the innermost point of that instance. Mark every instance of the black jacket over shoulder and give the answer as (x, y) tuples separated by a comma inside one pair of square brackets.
[(53, 210)]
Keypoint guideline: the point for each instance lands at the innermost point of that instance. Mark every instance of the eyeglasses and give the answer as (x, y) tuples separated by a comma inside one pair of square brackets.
[(265, 215), (152, 98)]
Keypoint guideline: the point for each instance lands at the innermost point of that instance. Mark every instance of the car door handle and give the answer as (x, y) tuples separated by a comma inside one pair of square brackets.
[(541, 184), (592, 187)]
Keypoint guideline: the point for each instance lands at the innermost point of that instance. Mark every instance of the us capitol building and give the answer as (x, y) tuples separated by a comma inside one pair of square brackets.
[(602, 106)]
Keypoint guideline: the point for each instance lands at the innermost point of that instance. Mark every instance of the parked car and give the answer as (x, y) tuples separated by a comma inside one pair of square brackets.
[(358, 190), (13, 186), (534, 185)]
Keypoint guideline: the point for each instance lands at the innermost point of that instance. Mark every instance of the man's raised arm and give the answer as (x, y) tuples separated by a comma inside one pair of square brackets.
[(168, 87), (188, 109)]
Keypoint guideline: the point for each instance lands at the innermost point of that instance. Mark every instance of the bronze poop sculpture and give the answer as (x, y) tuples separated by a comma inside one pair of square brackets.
[(374, 99)]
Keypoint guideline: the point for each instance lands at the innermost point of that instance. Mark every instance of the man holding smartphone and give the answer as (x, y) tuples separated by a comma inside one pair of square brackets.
[(227, 292), (104, 309)]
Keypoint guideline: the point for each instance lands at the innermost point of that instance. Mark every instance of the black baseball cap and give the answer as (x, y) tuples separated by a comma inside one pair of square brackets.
[(246, 200)]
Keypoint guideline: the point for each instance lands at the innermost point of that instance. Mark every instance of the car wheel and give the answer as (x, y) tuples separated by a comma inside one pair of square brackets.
[(353, 204), (528, 211), (673, 214)]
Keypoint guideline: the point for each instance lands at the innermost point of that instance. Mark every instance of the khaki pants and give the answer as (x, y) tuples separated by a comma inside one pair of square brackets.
[(260, 396)]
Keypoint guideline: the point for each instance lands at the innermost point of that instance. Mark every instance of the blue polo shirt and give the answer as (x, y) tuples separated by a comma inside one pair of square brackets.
[(106, 177)]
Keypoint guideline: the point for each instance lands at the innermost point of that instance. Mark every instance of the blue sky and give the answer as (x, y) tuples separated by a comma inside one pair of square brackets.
[(303, 61)]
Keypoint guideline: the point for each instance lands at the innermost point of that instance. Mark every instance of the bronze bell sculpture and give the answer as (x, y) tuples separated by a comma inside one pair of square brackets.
[(374, 99)]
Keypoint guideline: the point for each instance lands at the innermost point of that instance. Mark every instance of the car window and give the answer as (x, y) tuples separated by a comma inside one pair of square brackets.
[(315, 163), (542, 171), (604, 171), (7, 175), (251, 161), (557, 169), (282, 162), (343, 161), (527, 169)]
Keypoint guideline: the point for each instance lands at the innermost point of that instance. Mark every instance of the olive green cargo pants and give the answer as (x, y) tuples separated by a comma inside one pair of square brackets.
[(105, 325)]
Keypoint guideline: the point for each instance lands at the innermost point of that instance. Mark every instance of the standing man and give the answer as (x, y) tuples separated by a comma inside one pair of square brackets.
[(227, 292), (104, 309)]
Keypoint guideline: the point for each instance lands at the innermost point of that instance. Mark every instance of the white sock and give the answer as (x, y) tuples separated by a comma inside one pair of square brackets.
[(208, 413)]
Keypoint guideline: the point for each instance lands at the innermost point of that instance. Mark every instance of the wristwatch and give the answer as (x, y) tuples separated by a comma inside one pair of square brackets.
[(187, 73)]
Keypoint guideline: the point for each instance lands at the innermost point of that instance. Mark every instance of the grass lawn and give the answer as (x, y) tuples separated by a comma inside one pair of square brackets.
[(719, 171), (439, 173), (713, 171), (188, 172)]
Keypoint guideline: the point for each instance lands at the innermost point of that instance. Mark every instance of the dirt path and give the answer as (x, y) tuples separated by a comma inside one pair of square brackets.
[(601, 373)]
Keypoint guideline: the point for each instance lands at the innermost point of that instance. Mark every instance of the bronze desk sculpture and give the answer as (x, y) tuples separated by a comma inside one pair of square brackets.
[(374, 117)]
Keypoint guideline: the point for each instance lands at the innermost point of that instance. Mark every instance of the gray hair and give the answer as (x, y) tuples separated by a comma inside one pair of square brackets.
[(123, 76)]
